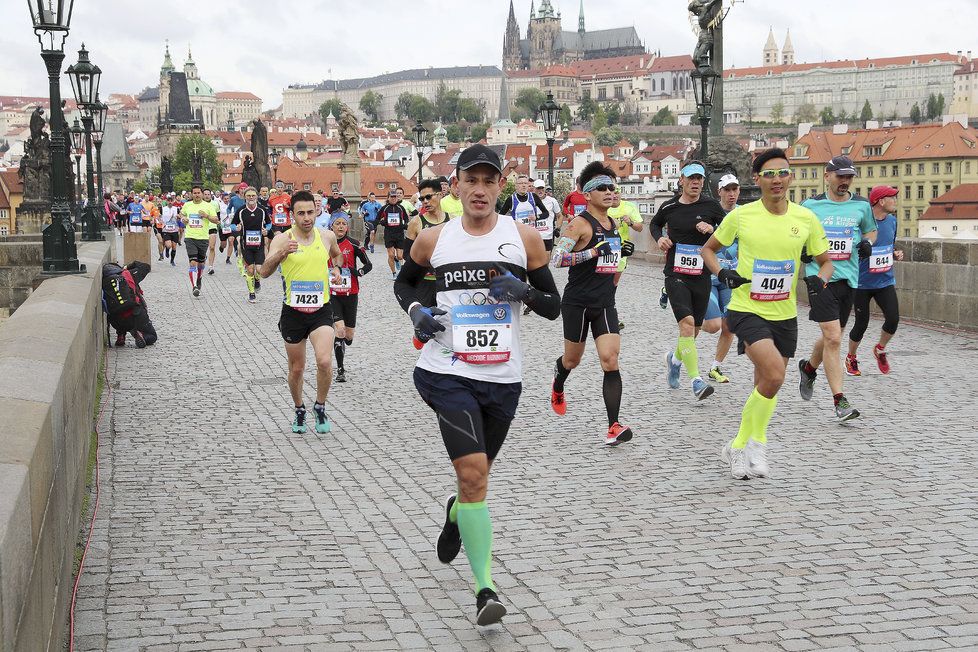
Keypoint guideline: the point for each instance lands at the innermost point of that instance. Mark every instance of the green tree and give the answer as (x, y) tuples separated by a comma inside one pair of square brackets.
[(842, 116), (562, 187), (530, 99), (183, 161), (599, 121), (867, 113), (614, 114), (471, 110), (140, 185), (827, 116), (370, 105), (608, 136), (478, 132), (565, 115), (586, 109), (454, 133), (915, 114), (806, 113), (940, 105), (332, 105), (777, 112), (448, 104), (414, 107), (663, 116)]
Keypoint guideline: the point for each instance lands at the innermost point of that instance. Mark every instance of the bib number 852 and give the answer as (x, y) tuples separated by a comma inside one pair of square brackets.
[(481, 338)]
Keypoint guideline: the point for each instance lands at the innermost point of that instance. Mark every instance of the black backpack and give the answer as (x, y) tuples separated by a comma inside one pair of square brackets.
[(120, 292)]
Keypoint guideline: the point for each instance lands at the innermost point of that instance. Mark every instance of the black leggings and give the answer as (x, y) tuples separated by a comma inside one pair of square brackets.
[(886, 299)]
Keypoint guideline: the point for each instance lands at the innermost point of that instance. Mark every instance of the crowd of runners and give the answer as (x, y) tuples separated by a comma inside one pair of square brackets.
[(468, 267)]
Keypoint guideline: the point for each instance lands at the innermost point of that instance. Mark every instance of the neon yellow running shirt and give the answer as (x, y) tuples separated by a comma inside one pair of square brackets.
[(306, 275)]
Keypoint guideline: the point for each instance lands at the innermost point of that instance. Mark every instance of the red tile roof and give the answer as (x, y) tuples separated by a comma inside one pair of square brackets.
[(323, 177), (960, 203), (967, 68), (899, 143), (12, 181), (236, 95), (859, 64)]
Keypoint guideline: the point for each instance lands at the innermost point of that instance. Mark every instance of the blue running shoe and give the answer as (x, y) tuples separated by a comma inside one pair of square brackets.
[(673, 367), (299, 424), (322, 421), (701, 388)]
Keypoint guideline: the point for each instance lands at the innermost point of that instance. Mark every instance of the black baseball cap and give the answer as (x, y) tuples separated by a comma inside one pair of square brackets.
[(841, 165), (479, 155)]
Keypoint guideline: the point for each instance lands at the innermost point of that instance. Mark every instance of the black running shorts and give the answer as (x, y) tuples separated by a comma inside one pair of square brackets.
[(474, 415), (834, 302), (548, 244), (393, 239), (212, 231), (689, 297), (171, 237), (296, 325), (749, 329), (345, 308), (578, 319), (252, 256), (224, 236), (196, 249)]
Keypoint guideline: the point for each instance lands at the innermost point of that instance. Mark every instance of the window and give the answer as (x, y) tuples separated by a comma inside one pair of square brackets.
[(967, 167), (934, 191), (948, 167), (906, 215), (618, 94), (804, 173), (906, 192), (380, 185), (602, 93), (935, 168), (920, 168), (947, 187), (954, 227), (791, 194), (906, 233), (908, 169), (3, 229), (920, 192), (585, 93), (307, 186), (869, 171), (335, 187), (895, 171), (883, 170), (290, 187)]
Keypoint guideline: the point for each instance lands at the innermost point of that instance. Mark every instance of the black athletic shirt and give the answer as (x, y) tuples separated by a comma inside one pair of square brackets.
[(681, 220), (585, 287), (394, 211), (250, 220)]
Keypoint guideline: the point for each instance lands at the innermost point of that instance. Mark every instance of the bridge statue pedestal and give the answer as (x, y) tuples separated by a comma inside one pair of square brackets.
[(139, 246)]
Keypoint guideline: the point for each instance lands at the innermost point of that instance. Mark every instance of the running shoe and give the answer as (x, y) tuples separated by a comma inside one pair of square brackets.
[(663, 299), (299, 424), (621, 325), (251, 297), (450, 540), (393, 276), (844, 411), (701, 389), (210, 272), (673, 367), (806, 386), (257, 285), (737, 459), (557, 402), (341, 375), (881, 361), (173, 262), (138, 337), (756, 459), (196, 291), (161, 257), (716, 375), (322, 421), (120, 340), (526, 310), (617, 434), (371, 248), (227, 261), (852, 365), (489, 610)]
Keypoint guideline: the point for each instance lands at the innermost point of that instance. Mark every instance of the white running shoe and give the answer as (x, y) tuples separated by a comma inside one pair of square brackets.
[(757, 459), (737, 459)]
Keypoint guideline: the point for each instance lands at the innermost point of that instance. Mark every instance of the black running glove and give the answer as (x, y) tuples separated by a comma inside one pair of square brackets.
[(627, 248), (865, 249), (603, 248), (504, 286), (425, 324), (815, 286), (805, 258), (731, 278)]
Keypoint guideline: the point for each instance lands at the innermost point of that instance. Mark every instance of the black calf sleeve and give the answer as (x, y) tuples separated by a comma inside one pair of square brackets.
[(611, 389), (560, 374)]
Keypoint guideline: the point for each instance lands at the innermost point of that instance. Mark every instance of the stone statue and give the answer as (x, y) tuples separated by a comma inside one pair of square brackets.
[(37, 123), (259, 154), (35, 166), (707, 16), (726, 155), (196, 162), (166, 175), (250, 174), (349, 135)]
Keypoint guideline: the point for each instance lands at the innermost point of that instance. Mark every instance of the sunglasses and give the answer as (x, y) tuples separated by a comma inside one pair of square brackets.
[(771, 174), (605, 188), (426, 197)]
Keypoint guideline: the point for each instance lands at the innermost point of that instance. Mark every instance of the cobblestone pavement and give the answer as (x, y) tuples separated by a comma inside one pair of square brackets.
[(220, 529)]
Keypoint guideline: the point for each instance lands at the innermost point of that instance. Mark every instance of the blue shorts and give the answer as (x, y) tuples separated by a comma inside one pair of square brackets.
[(719, 298)]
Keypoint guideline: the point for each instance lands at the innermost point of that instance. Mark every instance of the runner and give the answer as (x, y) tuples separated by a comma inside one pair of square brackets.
[(763, 311), (199, 214), (451, 205), (547, 221), (628, 217), (135, 210), (408, 206), (575, 203), (691, 218), (430, 201), (344, 296), (590, 246), (876, 281), (156, 216), (170, 231), (280, 204), (524, 207), (337, 203), (212, 231), (393, 216), (250, 221), (715, 320), (229, 236), (847, 220), (471, 374), (368, 211), (304, 253)]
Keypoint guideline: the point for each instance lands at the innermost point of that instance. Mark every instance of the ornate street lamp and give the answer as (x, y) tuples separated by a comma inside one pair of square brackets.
[(98, 133), (704, 84), (77, 138), (52, 20), (550, 111), (420, 141), (273, 157), (85, 77)]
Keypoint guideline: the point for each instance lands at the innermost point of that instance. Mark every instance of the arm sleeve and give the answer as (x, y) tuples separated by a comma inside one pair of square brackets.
[(543, 297), (407, 247), (566, 206), (658, 222), (544, 213), (363, 258), (406, 283), (507, 207)]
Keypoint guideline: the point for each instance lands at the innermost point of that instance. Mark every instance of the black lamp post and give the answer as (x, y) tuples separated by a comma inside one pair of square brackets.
[(77, 143), (98, 133), (704, 83), (52, 21), (85, 77), (273, 157), (420, 141), (550, 111), (230, 120)]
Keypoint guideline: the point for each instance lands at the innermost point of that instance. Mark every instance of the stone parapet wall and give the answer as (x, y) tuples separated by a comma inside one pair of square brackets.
[(50, 351), (938, 281)]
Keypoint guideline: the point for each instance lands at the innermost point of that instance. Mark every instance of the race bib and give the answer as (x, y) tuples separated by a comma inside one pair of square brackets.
[(195, 221), (608, 264), (579, 208), (169, 228), (344, 285), (280, 219), (136, 219), (393, 219), (525, 213), (543, 225), (225, 229), (306, 296), (881, 260), (252, 238), (688, 260), (482, 334), (771, 280), (840, 242)]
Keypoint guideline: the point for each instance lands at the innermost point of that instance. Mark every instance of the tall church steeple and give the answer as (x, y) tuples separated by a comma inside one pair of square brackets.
[(580, 20), (788, 51), (167, 67), (771, 50), (512, 58), (190, 68)]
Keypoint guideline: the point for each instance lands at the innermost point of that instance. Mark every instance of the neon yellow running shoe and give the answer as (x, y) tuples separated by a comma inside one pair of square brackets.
[(717, 376)]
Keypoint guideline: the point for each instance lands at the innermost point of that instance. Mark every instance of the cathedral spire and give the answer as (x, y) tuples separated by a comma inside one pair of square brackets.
[(167, 61), (533, 12), (580, 19)]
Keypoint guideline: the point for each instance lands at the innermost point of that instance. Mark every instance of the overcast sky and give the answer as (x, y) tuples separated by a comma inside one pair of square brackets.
[(235, 49)]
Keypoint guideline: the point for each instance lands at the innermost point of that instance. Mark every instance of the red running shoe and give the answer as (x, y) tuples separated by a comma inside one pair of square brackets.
[(618, 434), (557, 402), (852, 365), (880, 355)]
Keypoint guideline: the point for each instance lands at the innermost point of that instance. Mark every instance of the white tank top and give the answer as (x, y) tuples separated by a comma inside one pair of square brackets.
[(525, 211), (481, 337)]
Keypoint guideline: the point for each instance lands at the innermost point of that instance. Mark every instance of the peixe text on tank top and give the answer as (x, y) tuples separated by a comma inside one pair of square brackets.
[(472, 275)]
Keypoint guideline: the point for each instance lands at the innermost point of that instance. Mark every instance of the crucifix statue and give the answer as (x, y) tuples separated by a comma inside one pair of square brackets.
[(196, 164)]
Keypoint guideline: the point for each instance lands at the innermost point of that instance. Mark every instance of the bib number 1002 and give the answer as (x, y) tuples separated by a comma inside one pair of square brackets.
[(482, 338)]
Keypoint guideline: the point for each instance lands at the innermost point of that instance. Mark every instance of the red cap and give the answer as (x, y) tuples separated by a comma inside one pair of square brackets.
[(242, 186), (881, 192)]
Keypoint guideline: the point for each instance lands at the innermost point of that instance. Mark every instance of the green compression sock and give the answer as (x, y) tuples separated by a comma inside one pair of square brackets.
[(746, 421), (763, 410), (453, 512), (250, 280), (476, 529), (686, 353)]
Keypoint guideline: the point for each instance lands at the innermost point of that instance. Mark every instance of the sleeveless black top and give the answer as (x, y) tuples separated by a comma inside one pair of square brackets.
[(585, 287)]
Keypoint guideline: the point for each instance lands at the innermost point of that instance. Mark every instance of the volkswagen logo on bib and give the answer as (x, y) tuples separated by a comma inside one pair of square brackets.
[(788, 265), (499, 314)]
